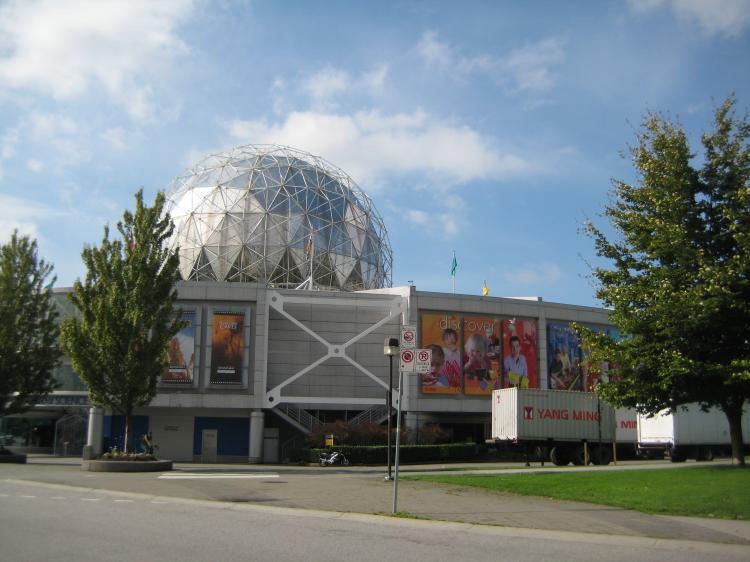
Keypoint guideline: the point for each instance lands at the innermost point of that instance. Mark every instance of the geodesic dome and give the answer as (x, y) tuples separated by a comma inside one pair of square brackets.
[(280, 217)]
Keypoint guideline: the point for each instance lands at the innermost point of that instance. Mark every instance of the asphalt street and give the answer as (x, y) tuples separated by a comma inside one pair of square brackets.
[(349, 499), (55, 522)]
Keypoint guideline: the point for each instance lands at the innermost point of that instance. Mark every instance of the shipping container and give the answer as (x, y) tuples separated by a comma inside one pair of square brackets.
[(564, 426), (688, 432)]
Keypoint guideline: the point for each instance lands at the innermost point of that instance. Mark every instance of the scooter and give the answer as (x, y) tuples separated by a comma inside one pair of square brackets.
[(333, 458)]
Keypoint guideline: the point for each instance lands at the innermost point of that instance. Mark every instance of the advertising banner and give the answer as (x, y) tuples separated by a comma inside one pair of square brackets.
[(481, 355), (564, 357), (519, 354), (227, 347), (440, 333), (592, 374), (181, 352)]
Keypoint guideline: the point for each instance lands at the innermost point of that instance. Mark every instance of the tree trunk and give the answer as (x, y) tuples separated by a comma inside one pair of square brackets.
[(734, 416), (128, 431)]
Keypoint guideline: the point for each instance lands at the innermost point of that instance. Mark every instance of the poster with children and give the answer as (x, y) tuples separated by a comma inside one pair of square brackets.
[(519, 354), (481, 355), (440, 333), (564, 357)]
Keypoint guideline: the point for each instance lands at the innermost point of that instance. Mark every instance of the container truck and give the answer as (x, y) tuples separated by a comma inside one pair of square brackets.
[(688, 432), (558, 425)]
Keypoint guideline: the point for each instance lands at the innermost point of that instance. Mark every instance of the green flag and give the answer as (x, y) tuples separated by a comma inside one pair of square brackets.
[(454, 264)]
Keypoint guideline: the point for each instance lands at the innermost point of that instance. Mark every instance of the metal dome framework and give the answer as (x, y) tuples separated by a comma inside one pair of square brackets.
[(277, 216)]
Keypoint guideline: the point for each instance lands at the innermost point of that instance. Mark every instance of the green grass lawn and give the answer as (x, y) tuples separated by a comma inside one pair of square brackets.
[(721, 491)]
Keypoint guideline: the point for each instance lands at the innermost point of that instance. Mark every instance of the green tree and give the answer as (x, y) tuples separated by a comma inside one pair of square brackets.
[(679, 281), (127, 312), (28, 326)]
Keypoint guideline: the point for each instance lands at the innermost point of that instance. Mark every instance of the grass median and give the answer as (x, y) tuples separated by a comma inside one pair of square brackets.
[(722, 492)]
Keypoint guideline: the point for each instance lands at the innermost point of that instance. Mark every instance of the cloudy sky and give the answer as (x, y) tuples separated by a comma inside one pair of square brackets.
[(489, 128)]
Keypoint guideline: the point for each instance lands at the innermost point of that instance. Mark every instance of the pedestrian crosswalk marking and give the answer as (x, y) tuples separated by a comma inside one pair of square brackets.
[(214, 476)]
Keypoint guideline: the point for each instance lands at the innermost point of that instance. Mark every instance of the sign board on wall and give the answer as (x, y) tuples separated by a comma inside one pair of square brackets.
[(407, 360), (424, 360), (408, 337)]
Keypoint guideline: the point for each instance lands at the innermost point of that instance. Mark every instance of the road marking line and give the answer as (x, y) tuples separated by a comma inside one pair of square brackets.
[(124, 501), (56, 498), (158, 502), (27, 496), (189, 476), (90, 499), (3, 495)]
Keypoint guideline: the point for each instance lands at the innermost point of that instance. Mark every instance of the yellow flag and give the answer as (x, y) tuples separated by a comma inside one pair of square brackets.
[(485, 289)]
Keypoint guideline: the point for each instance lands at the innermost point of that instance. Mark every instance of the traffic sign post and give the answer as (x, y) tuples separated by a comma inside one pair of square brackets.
[(406, 361), (408, 337), (423, 361)]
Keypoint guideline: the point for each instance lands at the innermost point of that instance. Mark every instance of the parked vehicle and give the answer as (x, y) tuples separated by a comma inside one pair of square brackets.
[(333, 458), (689, 432), (558, 425)]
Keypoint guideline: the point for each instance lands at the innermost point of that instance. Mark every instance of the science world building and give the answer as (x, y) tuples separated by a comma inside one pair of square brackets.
[(288, 298)]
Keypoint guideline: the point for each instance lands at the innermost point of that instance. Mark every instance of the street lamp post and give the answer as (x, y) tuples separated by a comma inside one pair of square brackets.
[(390, 348)]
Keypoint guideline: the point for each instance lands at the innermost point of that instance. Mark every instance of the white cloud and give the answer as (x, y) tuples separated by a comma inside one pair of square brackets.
[(116, 137), (717, 17), (22, 214), (326, 83), (369, 145), (64, 49), (533, 274), (527, 68), (34, 165), (375, 79)]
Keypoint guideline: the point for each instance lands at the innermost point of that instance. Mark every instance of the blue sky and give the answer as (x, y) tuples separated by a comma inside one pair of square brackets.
[(489, 128)]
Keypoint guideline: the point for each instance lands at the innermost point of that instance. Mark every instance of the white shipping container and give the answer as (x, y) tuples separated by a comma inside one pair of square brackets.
[(520, 414), (688, 427), (626, 425)]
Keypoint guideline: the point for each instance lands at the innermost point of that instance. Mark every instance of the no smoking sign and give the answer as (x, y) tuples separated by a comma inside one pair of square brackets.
[(408, 337), (407, 360)]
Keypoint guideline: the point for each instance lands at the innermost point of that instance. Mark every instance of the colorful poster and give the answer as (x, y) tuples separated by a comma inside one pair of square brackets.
[(481, 355), (605, 370), (564, 357), (227, 347), (519, 354), (181, 352), (441, 334)]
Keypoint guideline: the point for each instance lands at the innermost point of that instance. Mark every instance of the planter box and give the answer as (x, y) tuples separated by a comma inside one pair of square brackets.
[(14, 458), (126, 466)]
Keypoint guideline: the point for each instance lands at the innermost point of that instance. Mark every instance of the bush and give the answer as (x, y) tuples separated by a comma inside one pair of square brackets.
[(115, 454)]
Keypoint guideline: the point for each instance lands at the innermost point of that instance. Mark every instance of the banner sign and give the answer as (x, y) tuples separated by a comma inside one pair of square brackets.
[(227, 347), (181, 352), (440, 334)]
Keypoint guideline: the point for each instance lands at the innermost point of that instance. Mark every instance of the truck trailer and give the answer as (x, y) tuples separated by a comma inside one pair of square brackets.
[(688, 432), (559, 425)]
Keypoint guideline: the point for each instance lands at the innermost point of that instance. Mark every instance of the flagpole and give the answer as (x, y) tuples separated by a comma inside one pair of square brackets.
[(454, 266)]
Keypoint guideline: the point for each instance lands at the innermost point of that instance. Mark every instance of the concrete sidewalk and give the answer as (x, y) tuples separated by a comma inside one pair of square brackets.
[(363, 490)]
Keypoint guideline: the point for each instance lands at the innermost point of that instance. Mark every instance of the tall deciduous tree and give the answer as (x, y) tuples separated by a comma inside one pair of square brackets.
[(127, 312), (679, 282), (28, 326)]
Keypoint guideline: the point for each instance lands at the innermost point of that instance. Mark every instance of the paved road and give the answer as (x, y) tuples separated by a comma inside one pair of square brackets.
[(362, 490), (53, 522)]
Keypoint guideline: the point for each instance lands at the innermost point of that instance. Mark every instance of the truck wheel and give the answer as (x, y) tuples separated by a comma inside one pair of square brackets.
[(606, 456), (577, 456), (705, 454), (559, 456), (676, 455)]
